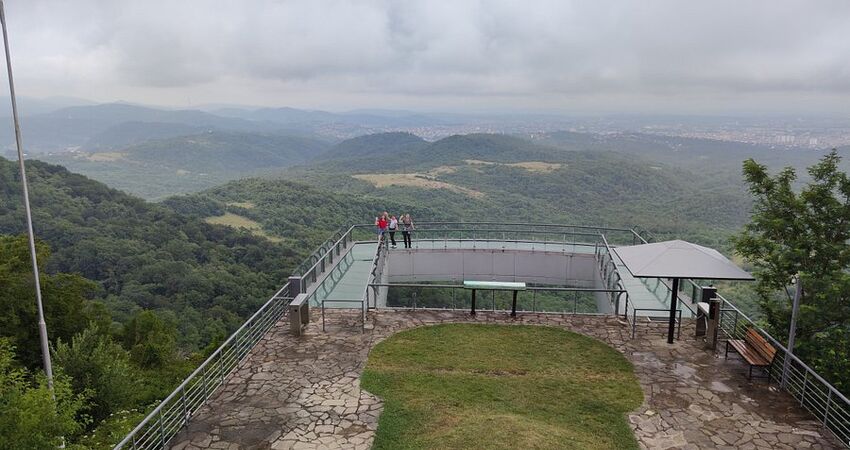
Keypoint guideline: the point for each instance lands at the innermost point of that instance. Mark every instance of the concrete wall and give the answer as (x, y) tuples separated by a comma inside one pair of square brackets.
[(555, 268)]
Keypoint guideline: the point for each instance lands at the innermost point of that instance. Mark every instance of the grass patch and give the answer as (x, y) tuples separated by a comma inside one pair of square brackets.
[(237, 221), (501, 387), (420, 180)]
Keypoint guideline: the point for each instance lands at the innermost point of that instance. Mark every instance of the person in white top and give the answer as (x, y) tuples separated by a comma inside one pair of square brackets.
[(393, 226)]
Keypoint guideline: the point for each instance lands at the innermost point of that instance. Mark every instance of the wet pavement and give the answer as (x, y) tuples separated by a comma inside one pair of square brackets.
[(295, 393)]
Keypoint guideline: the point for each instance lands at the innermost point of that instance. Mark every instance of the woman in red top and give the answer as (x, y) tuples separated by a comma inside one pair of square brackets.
[(382, 223)]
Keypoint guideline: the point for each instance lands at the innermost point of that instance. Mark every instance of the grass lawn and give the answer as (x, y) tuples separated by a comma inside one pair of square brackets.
[(501, 387)]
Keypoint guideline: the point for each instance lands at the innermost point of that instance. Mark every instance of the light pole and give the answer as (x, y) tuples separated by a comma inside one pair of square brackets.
[(42, 326), (792, 332)]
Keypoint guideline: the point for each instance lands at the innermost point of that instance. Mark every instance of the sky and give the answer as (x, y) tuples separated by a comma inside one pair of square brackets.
[(599, 56)]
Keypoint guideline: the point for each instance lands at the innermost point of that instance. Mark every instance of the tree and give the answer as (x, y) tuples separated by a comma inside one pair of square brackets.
[(29, 418), (151, 341), (97, 365), (65, 299), (805, 233)]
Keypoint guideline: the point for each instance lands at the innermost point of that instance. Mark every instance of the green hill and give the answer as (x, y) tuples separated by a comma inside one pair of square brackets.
[(158, 168), (145, 255)]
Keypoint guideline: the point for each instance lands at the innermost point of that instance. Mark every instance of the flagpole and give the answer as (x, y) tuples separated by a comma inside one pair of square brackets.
[(42, 326)]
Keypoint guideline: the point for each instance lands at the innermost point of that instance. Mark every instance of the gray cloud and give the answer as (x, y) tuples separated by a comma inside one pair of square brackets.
[(601, 55)]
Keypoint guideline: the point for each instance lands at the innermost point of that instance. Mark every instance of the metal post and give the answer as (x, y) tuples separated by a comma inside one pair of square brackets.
[(826, 410), (513, 305), (42, 325), (671, 329), (204, 381), (183, 403), (472, 311), (792, 332), (161, 431)]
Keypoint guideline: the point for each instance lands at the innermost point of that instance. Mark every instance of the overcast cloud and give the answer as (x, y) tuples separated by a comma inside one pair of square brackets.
[(590, 56)]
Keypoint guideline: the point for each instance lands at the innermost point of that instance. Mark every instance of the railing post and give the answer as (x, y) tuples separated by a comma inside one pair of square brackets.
[(617, 304), (826, 410), (236, 344), (803, 393), (161, 430), (221, 366), (575, 302), (204, 382), (185, 409)]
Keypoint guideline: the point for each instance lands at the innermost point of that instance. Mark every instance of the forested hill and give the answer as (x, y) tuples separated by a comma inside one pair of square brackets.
[(300, 215), (144, 255), (375, 145), (158, 168), (500, 177)]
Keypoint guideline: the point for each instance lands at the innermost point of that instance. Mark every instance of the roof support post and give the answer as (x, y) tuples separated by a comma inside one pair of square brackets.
[(671, 329)]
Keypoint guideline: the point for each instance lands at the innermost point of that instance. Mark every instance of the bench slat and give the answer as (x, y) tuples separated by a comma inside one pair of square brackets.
[(753, 357), (759, 344)]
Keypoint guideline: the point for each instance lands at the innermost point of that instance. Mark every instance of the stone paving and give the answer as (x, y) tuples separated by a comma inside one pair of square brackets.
[(304, 393)]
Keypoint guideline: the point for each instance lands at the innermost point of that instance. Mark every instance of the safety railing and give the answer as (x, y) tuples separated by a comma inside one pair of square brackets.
[(534, 299), (660, 314), (611, 278), (557, 236), (173, 413), (819, 397), (318, 262), (376, 273)]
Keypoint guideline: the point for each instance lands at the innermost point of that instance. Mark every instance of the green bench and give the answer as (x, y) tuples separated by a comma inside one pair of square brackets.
[(494, 286)]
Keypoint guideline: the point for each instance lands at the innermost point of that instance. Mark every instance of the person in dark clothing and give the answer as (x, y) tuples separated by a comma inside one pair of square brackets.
[(407, 228)]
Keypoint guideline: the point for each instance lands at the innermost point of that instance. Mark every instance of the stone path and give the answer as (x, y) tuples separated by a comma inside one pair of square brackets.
[(304, 393)]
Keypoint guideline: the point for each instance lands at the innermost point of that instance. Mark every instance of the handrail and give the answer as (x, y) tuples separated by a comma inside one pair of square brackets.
[(156, 418), (619, 279), (533, 289), (634, 319)]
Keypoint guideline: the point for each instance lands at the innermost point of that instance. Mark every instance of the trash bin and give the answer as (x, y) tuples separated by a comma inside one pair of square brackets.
[(299, 314)]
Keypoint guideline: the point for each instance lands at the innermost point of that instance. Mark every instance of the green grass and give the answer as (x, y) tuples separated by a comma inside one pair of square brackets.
[(237, 221), (501, 387)]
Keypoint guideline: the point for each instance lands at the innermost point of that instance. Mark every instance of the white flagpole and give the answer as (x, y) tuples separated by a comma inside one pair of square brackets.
[(42, 326)]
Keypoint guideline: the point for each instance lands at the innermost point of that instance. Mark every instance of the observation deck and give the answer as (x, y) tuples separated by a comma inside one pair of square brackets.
[(264, 388)]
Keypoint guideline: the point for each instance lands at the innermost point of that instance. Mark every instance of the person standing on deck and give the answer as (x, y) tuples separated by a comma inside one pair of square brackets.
[(381, 222), (407, 228), (392, 227)]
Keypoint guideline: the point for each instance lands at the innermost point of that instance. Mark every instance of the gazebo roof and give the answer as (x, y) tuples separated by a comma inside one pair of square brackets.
[(679, 259)]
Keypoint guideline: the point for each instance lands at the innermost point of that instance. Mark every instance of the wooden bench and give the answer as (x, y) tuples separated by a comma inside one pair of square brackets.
[(755, 350)]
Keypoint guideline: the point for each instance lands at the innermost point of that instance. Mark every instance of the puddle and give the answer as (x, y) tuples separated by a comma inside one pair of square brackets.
[(718, 386), (684, 371)]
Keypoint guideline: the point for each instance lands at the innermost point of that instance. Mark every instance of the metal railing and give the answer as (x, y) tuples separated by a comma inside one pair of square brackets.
[(819, 397), (511, 232), (611, 277), (530, 296), (173, 413), (316, 264)]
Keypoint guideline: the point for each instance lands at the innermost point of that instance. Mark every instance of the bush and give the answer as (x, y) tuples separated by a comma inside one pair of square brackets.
[(97, 364), (29, 417)]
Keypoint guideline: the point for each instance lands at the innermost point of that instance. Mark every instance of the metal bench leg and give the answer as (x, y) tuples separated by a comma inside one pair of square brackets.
[(750, 376), (726, 356)]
